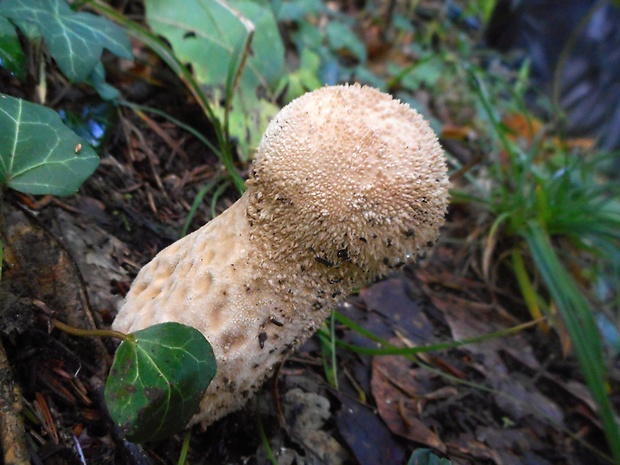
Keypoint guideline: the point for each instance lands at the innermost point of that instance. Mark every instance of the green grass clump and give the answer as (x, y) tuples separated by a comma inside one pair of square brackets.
[(549, 208)]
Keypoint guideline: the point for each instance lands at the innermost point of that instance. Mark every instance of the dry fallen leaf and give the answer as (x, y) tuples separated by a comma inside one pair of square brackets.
[(515, 398), (399, 394)]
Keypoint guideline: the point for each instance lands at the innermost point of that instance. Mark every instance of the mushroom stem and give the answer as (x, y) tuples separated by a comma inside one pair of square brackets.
[(212, 280), (348, 184)]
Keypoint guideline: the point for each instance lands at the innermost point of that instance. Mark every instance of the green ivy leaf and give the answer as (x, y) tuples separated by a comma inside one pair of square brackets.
[(97, 80), (75, 39), (11, 53), (157, 380), (38, 153), (209, 35)]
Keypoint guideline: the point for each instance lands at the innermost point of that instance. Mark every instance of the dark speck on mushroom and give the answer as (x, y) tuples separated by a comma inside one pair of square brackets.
[(324, 261), (275, 321), (262, 337)]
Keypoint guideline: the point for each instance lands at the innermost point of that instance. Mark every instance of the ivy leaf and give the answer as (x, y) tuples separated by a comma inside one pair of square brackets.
[(97, 80), (209, 36), (38, 153), (11, 53), (75, 39), (157, 380)]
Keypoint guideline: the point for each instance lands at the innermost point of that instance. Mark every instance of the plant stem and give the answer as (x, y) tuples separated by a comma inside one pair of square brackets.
[(390, 349), (89, 332), (185, 447), (263, 436), (196, 203)]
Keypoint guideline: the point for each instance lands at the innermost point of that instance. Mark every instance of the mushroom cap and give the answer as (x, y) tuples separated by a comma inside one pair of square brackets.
[(349, 178)]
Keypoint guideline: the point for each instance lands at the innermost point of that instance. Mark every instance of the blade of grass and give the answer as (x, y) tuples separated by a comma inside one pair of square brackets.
[(184, 448), (176, 122), (500, 130), (490, 244), (390, 349), (167, 55), (527, 290), (395, 80), (458, 197), (236, 67), (196, 203), (328, 351), (411, 352), (216, 196), (263, 435), (579, 321)]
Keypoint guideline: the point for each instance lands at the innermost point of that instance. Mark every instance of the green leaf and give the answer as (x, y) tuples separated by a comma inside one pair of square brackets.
[(157, 380), (341, 37), (208, 35), (307, 36), (298, 10), (426, 457), (248, 121), (305, 78), (427, 71), (38, 153), (97, 80), (11, 53), (75, 39)]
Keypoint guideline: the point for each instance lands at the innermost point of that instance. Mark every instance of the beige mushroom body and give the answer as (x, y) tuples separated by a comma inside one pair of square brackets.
[(347, 185)]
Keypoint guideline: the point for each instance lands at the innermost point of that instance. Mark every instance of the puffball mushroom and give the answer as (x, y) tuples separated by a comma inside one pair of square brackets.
[(347, 185)]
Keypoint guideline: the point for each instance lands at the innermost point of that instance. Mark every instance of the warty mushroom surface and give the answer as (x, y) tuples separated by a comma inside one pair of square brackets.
[(347, 185)]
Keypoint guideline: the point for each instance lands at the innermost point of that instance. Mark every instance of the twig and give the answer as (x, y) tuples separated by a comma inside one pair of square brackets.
[(12, 432)]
